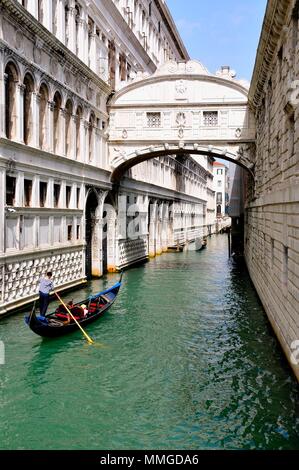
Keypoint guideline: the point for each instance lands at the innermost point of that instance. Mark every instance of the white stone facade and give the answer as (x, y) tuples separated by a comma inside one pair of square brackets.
[(59, 62), (272, 218)]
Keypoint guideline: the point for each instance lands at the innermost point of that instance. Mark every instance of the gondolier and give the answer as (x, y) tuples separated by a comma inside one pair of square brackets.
[(45, 287), (58, 323)]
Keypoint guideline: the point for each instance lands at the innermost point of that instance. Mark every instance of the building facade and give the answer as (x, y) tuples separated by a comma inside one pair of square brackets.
[(272, 215), (220, 172), (60, 61)]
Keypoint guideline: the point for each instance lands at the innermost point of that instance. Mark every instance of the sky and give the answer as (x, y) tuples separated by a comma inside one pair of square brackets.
[(220, 32)]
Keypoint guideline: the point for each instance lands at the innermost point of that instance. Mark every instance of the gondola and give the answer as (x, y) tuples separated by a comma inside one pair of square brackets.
[(59, 323)]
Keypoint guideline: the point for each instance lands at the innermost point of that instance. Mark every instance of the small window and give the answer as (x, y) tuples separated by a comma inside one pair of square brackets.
[(153, 119), (219, 183), (69, 232), (10, 190), (210, 118), (78, 198), (56, 194), (78, 232), (27, 192), (42, 193), (68, 196), (219, 198)]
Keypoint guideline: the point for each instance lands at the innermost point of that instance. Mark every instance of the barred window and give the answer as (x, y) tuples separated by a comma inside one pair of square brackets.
[(210, 118), (153, 119)]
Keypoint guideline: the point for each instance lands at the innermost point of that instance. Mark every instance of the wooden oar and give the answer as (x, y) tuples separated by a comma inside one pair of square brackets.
[(70, 313)]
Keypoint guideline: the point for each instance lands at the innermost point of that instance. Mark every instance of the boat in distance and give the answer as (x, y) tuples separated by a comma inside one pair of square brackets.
[(59, 323)]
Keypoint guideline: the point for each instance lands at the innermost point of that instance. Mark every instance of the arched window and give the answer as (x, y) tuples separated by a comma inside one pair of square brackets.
[(29, 87), (79, 114), (43, 121), (68, 127), (91, 136), (11, 79), (56, 121), (77, 19)]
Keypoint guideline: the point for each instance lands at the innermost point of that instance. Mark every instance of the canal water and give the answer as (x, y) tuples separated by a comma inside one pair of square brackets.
[(185, 359)]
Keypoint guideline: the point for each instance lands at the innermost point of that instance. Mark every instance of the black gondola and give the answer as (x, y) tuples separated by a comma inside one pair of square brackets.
[(59, 322)]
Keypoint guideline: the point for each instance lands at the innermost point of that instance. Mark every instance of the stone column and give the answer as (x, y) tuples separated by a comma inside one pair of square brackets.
[(81, 155), (47, 17), (32, 7), (19, 110), (71, 43), (49, 144), (165, 215), (159, 230), (2, 209), (3, 78), (60, 17), (61, 135), (92, 52), (50, 193), (85, 143), (152, 230), (73, 142), (35, 119), (111, 219), (97, 147), (35, 192)]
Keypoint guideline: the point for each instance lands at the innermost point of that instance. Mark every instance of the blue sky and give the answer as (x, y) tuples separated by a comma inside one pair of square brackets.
[(220, 32)]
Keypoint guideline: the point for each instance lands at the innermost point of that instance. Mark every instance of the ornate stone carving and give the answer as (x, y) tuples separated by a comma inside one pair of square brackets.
[(89, 93), (181, 119), (54, 66), (246, 155), (238, 133), (19, 41), (181, 90), (124, 134), (21, 278), (78, 85)]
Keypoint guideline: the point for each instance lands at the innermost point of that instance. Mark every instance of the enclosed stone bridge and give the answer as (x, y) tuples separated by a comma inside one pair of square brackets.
[(181, 109)]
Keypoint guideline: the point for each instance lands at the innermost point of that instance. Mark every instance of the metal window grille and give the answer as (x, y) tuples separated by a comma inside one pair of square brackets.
[(153, 119), (210, 118)]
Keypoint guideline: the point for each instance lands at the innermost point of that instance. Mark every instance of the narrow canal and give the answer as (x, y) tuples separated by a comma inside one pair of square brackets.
[(185, 359)]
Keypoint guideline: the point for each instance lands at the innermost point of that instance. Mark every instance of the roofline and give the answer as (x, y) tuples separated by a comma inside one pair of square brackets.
[(174, 77), (173, 31), (276, 14)]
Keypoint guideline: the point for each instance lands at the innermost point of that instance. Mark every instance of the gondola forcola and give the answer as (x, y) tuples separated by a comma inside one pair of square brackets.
[(60, 322)]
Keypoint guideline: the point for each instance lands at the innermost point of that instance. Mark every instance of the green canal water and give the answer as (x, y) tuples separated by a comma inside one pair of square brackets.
[(185, 359)]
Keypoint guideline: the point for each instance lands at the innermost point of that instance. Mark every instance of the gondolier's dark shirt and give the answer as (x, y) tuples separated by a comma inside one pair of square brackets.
[(45, 285)]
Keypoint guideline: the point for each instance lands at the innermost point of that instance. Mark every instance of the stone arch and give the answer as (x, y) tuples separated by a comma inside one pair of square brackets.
[(43, 115), (28, 112), (11, 76), (68, 127), (123, 161), (57, 100)]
